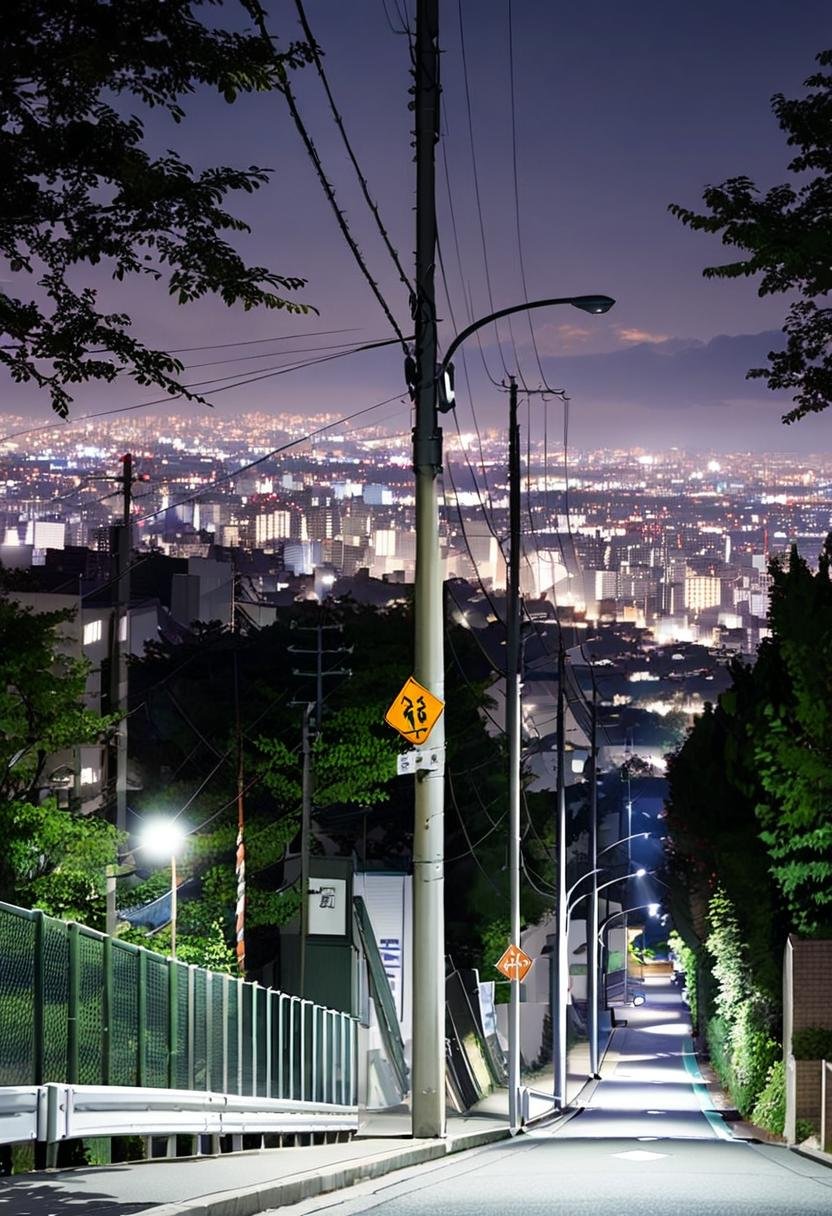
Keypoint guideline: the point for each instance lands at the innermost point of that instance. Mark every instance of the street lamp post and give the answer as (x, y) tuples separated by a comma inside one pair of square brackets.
[(162, 839), (615, 916), (595, 304)]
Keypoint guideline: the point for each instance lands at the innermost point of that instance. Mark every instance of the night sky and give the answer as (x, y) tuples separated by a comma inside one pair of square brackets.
[(619, 110)]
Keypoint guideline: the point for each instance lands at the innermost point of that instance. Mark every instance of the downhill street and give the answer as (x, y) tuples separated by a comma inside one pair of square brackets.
[(647, 1142)]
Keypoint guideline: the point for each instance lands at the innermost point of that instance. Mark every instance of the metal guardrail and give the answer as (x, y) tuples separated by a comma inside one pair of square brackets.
[(51, 1113), (80, 1008), (826, 1105)]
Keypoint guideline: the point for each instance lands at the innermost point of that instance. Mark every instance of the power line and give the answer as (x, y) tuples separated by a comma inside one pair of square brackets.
[(476, 178), (250, 378), (312, 152), (339, 122), (520, 259)]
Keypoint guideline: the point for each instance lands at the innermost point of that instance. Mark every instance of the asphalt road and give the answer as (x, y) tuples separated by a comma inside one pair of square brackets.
[(648, 1142)]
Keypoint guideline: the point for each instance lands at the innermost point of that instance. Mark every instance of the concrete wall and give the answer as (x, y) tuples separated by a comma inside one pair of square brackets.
[(807, 1003)]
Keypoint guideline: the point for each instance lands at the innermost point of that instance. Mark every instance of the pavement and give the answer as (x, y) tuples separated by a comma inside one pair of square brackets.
[(650, 1134)]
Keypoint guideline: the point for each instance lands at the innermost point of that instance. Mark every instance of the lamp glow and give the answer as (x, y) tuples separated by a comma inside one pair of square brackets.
[(162, 838)]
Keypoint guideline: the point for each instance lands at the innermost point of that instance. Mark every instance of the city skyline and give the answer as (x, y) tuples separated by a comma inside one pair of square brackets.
[(613, 121)]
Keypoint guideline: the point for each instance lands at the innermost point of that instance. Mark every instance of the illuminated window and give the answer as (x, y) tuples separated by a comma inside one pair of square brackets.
[(89, 776), (92, 632)]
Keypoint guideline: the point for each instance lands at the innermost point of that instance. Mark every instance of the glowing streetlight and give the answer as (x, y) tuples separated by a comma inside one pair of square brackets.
[(162, 839)]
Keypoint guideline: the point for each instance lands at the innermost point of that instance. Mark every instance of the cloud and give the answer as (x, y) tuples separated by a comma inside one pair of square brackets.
[(638, 335), (561, 339)]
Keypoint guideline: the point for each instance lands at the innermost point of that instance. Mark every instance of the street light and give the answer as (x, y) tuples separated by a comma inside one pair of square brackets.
[(433, 394), (162, 838), (652, 909)]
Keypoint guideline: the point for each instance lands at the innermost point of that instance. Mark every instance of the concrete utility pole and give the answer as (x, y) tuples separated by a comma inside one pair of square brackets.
[(592, 926), (560, 962), (312, 715), (119, 642), (428, 1099), (514, 742)]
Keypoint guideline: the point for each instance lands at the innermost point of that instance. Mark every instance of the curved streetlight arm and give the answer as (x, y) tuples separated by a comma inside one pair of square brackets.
[(623, 840), (611, 883), (623, 912), (592, 304)]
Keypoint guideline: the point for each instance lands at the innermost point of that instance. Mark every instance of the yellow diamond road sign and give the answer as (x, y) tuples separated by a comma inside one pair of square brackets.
[(415, 712), (514, 963)]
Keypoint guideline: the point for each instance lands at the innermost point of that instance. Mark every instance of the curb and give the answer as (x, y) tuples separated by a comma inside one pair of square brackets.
[(812, 1154), (248, 1201)]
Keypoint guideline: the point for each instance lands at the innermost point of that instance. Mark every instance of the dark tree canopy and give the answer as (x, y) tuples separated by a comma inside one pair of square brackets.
[(785, 236), (80, 187)]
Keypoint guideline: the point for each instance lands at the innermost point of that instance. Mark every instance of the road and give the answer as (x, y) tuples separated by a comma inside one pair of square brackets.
[(647, 1142)]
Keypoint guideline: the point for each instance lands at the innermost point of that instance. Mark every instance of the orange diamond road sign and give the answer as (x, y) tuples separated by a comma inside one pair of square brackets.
[(415, 712), (514, 964)]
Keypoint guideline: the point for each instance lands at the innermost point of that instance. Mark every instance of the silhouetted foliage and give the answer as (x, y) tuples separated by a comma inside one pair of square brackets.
[(80, 185), (786, 237)]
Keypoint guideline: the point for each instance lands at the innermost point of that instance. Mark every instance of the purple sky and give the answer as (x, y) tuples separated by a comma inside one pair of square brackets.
[(620, 109)]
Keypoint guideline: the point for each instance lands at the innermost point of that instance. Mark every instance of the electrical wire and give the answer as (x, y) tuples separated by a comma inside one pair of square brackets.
[(312, 152), (339, 122), (477, 197)]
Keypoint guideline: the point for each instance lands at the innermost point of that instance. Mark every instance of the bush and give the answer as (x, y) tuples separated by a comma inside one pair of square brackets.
[(769, 1111), (753, 1052), (813, 1043), (688, 961), (718, 1038)]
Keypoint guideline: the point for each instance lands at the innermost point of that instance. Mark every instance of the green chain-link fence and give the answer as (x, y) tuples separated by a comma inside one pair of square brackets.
[(79, 1007)]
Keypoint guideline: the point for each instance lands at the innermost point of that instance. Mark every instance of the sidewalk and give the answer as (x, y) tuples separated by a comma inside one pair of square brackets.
[(243, 1184)]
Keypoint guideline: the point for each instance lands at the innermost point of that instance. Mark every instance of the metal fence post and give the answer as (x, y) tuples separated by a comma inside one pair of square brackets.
[(191, 1024), (325, 1050), (173, 1024), (354, 1064), (254, 1002), (268, 1036), (303, 1056), (107, 1012), (39, 995), (281, 1045), (141, 1018), (73, 996), (241, 1004), (209, 1029), (225, 983)]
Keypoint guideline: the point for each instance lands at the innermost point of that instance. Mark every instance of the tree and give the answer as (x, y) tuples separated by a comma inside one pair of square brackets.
[(786, 236), (81, 186), (52, 857)]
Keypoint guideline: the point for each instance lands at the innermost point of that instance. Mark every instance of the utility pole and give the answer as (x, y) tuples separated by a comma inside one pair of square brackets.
[(514, 742), (592, 978), (428, 1099), (312, 715), (560, 962), (119, 642), (240, 855)]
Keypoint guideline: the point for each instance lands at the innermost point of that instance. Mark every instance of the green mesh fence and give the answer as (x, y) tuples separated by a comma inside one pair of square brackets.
[(180, 1077), (216, 1076), (259, 998), (89, 1016), (17, 1000), (124, 1023), (248, 1040), (55, 955), (76, 1006), (232, 1050), (157, 1033), (199, 1043)]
